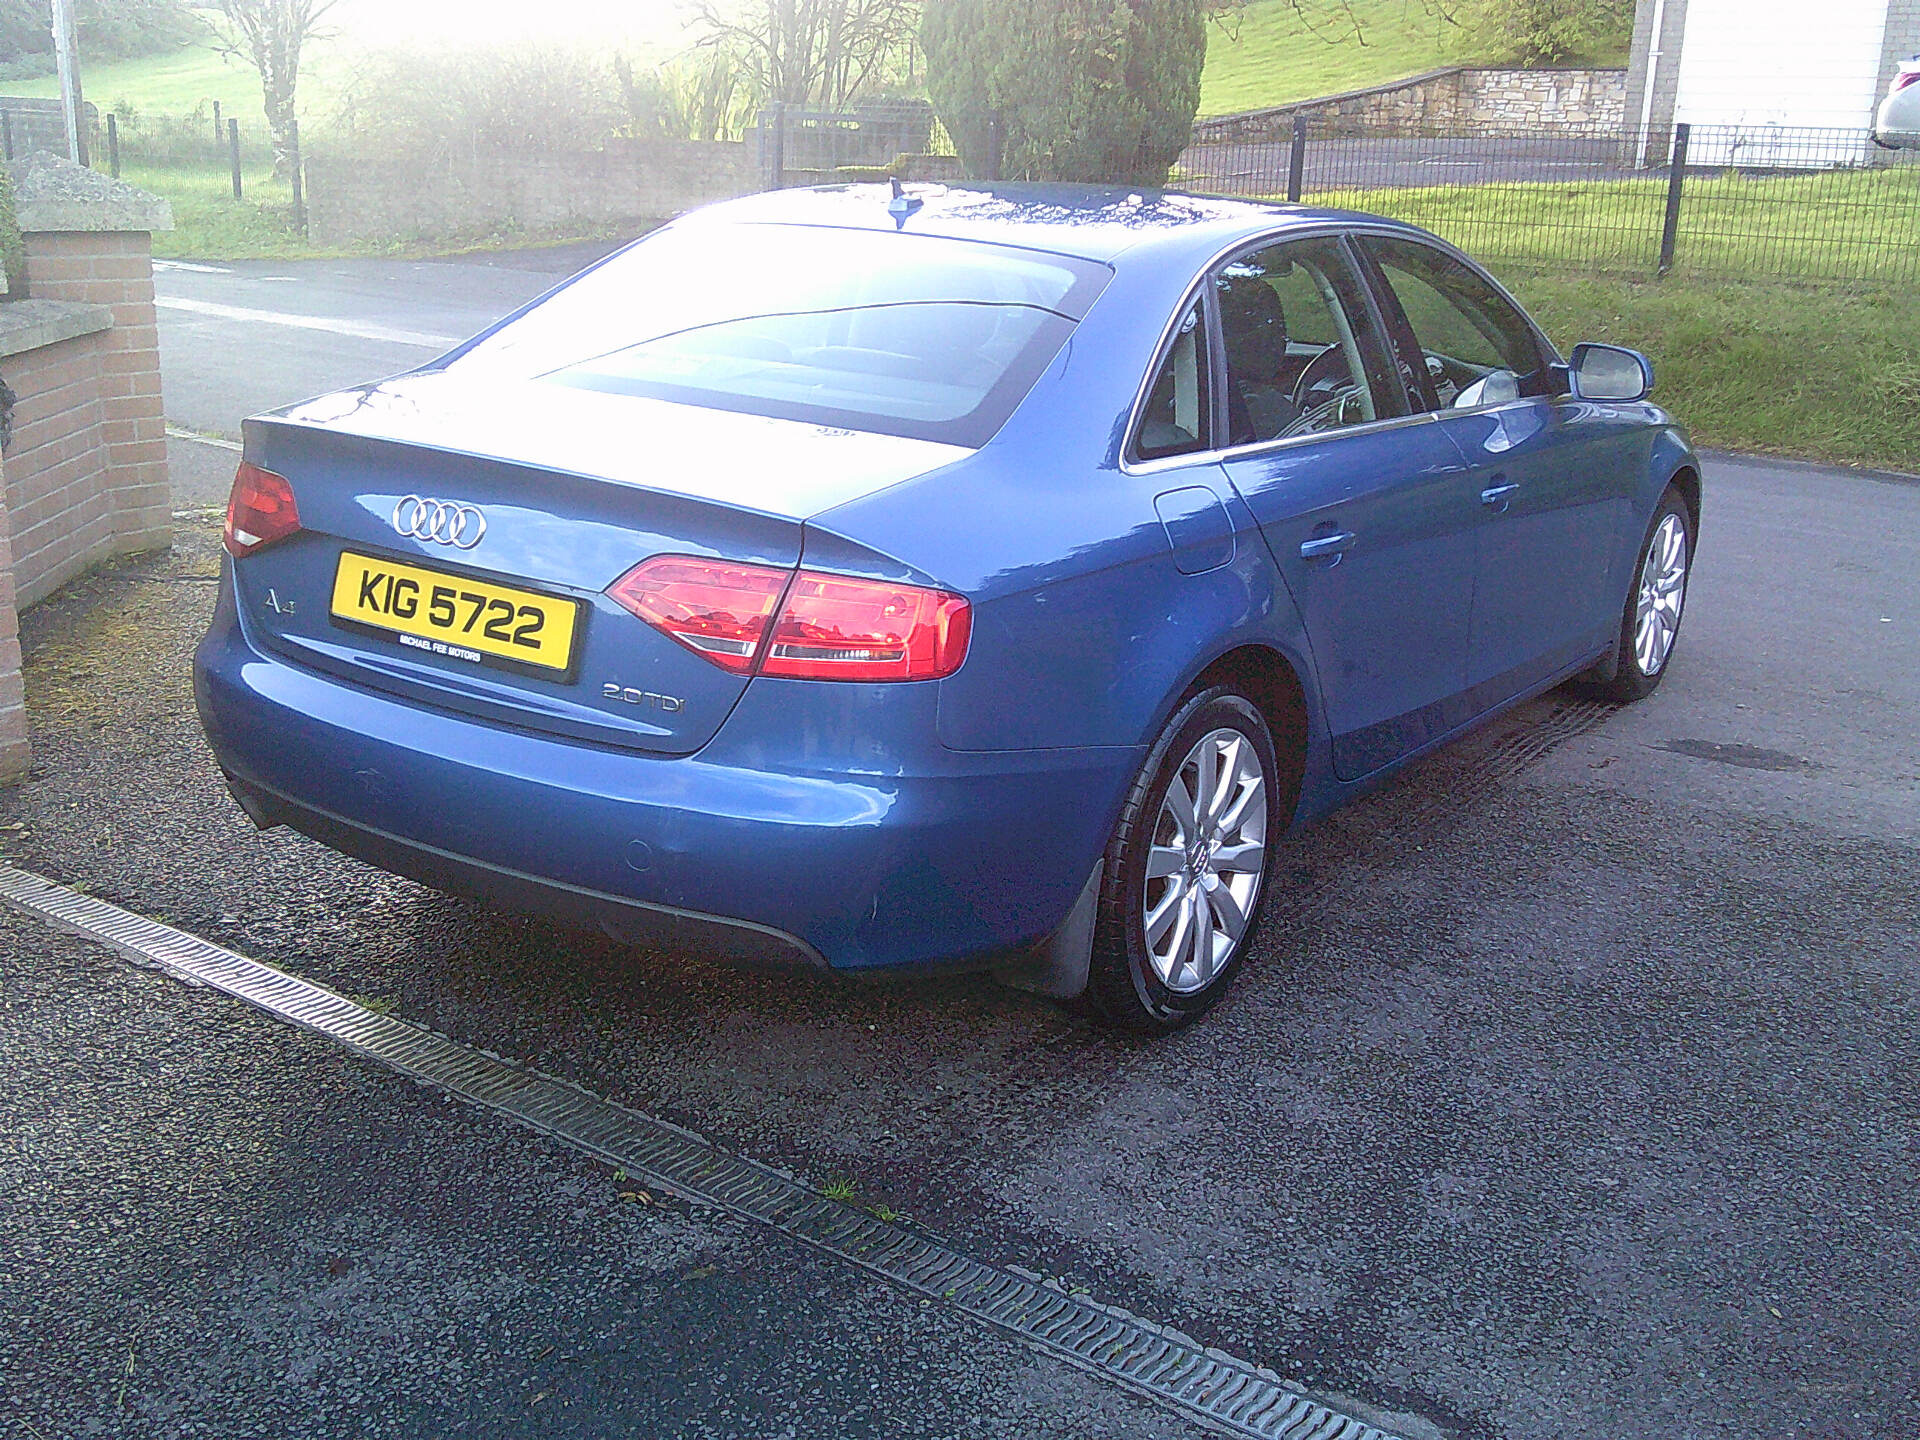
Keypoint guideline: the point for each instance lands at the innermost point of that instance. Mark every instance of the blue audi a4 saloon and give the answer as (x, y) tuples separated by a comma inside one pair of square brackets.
[(882, 582)]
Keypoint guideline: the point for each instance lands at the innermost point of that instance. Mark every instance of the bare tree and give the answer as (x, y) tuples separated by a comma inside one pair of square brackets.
[(808, 52), (269, 34)]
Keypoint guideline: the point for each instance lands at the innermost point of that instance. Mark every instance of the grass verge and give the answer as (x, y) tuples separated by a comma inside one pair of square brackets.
[(1766, 367), (209, 224)]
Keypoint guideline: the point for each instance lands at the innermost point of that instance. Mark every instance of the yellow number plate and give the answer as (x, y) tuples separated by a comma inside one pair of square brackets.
[(452, 615)]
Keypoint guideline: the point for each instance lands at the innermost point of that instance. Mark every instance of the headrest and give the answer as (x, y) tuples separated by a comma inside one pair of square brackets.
[(1254, 326)]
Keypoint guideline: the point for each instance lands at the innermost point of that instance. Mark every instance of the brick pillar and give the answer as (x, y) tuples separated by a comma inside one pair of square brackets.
[(115, 268), (14, 753)]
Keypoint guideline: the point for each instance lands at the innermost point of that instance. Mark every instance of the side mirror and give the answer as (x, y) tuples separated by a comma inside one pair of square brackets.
[(1610, 373)]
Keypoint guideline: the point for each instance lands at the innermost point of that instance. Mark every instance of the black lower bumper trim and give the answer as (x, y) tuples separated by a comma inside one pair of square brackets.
[(630, 922)]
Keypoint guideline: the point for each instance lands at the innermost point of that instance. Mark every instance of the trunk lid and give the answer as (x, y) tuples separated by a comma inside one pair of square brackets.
[(544, 496)]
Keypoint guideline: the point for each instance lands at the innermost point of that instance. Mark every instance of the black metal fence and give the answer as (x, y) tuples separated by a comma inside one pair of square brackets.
[(1711, 201), (1717, 202)]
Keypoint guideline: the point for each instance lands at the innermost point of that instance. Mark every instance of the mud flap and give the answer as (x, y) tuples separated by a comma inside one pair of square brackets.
[(1058, 967)]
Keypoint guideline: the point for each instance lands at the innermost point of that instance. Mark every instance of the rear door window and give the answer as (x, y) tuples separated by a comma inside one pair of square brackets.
[(1302, 350)]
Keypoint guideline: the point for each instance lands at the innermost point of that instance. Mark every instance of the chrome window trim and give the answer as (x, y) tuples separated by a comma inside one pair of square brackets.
[(1290, 442), (1130, 466)]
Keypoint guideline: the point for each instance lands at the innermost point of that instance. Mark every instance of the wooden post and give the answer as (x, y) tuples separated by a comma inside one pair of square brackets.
[(113, 145), (218, 129), (233, 151)]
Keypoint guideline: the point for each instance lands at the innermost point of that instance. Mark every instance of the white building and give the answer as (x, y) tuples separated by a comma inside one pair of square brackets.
[(1800, 78)]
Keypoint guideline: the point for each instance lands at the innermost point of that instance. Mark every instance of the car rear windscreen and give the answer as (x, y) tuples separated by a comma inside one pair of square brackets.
[(898, 333)]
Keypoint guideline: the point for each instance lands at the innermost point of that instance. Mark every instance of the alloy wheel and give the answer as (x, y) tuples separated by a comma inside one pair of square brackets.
[(1663, 590), (1205, 864)]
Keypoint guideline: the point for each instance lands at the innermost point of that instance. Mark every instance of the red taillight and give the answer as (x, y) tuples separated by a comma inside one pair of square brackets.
[(715, 609), (1906, 78), (831, 627), (259, 511)]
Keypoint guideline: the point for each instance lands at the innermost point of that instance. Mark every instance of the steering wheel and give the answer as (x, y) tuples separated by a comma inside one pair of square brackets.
[(1325, 373), (1329, 413)]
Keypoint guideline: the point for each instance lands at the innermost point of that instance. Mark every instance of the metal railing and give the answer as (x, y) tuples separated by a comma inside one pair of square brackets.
[(1710, 201)]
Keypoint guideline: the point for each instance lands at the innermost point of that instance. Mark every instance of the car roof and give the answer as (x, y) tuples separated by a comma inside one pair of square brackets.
[(1084, 221)]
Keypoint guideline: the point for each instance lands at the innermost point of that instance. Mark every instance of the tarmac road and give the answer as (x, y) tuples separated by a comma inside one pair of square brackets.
[(243, 336), (1569, 1093)]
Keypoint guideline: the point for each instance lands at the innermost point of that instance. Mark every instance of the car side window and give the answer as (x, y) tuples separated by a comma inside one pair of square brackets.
[(1302, 356), (1474, 347), (1177, 418)]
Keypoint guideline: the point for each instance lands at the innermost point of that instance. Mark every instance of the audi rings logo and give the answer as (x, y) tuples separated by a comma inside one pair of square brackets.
[(441, 521)]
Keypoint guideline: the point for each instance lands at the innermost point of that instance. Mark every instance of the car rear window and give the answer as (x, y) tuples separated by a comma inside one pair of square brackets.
[(898, 333)]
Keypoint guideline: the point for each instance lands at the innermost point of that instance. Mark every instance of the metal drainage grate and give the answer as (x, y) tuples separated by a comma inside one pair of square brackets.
[(1226, 1394)]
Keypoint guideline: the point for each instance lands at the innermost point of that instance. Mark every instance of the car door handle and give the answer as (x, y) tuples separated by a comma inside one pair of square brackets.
[(1326, 547), (1497, 496)]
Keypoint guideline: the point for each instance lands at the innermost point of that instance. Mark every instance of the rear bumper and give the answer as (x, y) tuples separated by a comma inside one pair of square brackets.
[(800, 836), (628, 921)]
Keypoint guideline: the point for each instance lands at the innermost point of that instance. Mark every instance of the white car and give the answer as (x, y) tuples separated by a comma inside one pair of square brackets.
[(1897, 126)]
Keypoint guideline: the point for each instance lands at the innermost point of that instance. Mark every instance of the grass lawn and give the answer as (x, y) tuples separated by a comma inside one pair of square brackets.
[(1767, 367), (182, 81), (1269, 55)]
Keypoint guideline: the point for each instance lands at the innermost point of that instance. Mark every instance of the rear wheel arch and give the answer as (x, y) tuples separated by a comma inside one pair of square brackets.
[(1269, 679)]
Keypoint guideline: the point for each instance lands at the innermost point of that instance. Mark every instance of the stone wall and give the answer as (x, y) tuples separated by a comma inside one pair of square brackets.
[(374, 197), (1456, 99)]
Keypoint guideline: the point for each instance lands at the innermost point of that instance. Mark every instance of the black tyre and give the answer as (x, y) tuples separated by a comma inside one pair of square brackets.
[(1650, 623), (1186, 870)]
